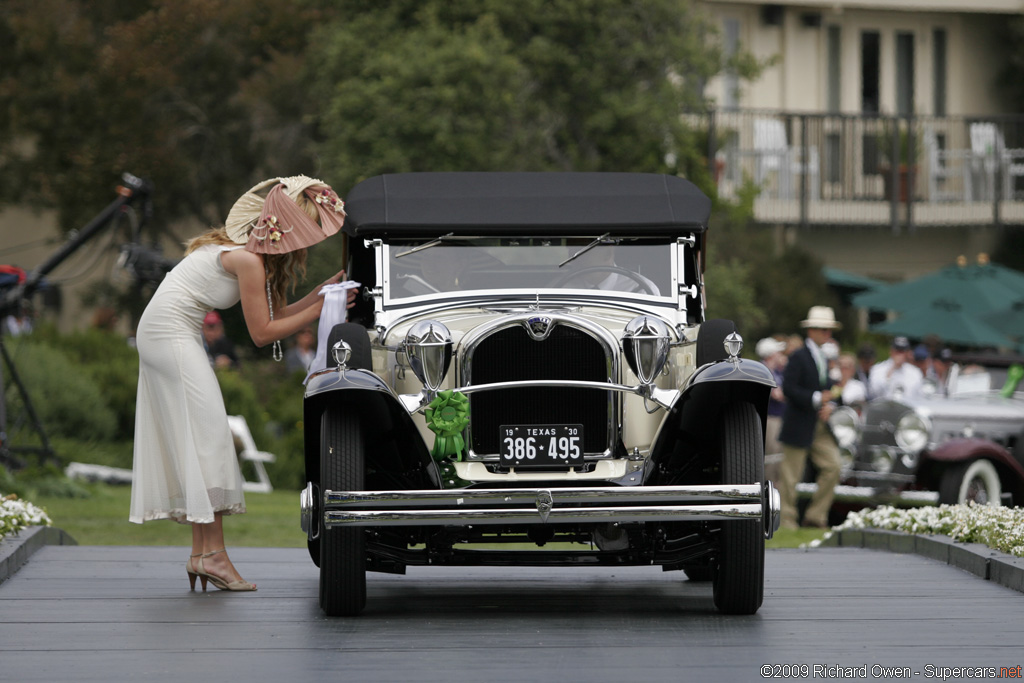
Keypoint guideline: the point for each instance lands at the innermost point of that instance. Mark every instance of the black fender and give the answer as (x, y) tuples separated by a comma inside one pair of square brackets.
[(689, 429), (398, 449)]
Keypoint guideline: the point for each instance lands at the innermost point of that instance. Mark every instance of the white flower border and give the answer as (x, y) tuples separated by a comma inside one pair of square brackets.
[(16, 514), (1000, 528)]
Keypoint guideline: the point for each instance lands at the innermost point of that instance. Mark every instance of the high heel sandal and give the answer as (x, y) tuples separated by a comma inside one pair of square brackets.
[(239, 585), (192, 574)]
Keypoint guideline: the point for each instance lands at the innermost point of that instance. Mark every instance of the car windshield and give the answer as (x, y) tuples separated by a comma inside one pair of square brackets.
[(449, 265)]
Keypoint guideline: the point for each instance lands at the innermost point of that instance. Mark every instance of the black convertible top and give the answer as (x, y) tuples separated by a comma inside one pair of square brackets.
[(489, 204)]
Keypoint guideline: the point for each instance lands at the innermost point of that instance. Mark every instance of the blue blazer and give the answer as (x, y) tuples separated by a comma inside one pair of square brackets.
[(799, 382)]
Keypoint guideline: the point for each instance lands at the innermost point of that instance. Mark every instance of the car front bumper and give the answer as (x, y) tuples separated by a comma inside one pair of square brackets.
[(465, 507)]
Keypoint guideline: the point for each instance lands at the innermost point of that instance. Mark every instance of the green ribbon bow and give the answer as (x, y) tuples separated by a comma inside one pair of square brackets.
[(447, 415), (1013, 378)]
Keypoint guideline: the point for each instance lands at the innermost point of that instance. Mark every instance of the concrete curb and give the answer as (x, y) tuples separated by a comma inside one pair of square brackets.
[(978, 559), (17, 548)]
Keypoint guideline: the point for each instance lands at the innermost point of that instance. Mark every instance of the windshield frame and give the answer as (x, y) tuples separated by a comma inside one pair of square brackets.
[(390, 255)]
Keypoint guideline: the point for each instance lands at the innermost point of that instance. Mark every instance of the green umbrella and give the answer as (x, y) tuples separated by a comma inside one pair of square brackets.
[(979, 288), (1009, 320), (948, 321)]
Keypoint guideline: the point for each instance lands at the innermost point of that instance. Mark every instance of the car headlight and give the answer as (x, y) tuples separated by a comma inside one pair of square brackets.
[(845, 424), (912, 432), (428, 346), (645, 343)]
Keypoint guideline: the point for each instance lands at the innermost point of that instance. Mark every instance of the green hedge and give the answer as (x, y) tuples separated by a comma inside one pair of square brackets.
[(83, 386)]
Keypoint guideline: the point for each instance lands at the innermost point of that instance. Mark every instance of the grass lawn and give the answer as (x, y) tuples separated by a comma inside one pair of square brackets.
[(272, 521)]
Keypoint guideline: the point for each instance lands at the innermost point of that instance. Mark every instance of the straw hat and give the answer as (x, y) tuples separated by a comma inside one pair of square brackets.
[(821, 318)]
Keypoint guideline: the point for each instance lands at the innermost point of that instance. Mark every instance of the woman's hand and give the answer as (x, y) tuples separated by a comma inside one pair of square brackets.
[(335, 279)]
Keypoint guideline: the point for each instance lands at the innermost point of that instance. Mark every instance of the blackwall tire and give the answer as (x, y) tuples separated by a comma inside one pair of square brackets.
[(738, 576), (342, 550), (975, 481)]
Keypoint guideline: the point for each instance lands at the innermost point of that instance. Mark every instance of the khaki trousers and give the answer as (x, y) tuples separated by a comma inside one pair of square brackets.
[(825, 455)]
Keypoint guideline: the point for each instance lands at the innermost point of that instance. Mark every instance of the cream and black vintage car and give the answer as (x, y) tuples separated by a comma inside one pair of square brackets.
[(536, 385)]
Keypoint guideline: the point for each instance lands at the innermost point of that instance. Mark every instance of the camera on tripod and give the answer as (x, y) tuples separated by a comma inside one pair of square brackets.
[(146, 265)]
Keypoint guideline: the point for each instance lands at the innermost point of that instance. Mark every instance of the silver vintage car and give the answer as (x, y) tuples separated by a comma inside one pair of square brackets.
[(963, 442), (536, 384)]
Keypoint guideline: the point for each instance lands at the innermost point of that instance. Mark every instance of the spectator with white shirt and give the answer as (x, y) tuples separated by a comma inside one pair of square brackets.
[(897, 375)]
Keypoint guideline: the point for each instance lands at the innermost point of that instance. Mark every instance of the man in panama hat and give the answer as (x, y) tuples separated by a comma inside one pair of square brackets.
[(805, 431)]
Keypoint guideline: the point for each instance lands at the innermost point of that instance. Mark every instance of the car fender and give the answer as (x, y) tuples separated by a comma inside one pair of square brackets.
[(397, 442), (706, 392), (962, 450)]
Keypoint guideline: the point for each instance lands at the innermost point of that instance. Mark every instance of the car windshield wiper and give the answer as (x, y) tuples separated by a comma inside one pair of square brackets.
[(426, 245), (600, 240)]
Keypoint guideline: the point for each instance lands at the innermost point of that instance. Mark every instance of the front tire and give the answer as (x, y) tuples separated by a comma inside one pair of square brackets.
[(738, 576), (975, 481), (342, 550)]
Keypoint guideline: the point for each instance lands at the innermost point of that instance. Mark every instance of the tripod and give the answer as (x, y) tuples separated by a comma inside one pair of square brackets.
[(8, 456), (11, 302)]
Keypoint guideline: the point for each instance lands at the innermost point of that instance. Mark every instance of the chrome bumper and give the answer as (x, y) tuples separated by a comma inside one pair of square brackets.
[(465, 507)]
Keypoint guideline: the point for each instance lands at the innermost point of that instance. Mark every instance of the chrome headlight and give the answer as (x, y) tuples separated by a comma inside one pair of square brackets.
[(428, 346), (645, 343), (913, 431), (845, 424)]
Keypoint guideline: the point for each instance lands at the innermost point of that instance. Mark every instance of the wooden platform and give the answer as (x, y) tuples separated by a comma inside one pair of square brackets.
[(88, 613)]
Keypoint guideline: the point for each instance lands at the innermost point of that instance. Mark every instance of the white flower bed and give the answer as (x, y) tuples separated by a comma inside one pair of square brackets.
[(1000, 528), (16, 514)]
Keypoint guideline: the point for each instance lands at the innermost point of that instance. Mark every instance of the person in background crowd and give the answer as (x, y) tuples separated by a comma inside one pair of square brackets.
[(302, 352), (804, 432), (771, 352), (219, 348), (923, 359), (849, 390), (896, 375), (865, 361), (942, 370)]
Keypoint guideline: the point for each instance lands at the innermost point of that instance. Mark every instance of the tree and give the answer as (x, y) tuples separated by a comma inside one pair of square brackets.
[(586, 85), (200, 96)]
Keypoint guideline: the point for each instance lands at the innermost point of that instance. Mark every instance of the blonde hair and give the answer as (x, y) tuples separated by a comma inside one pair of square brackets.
[(283, 270)]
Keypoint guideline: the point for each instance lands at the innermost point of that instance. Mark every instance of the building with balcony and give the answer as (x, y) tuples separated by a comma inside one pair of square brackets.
[(877, 135)]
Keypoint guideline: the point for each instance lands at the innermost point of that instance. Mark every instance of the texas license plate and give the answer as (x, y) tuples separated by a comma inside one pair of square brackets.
[(541, 445)]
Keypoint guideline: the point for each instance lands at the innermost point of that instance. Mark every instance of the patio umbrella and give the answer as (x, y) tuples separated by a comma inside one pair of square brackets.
[(1009, 320), (947, 320), (978, 288)]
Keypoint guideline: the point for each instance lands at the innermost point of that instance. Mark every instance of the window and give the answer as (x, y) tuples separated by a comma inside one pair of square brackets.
[(904, 73), (834, 68), (869, 63), (939, 71)]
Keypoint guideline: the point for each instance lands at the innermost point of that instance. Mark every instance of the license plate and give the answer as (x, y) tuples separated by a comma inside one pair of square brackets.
[(541, 445)]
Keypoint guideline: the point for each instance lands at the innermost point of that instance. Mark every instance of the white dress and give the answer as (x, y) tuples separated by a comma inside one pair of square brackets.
[(185, 467)]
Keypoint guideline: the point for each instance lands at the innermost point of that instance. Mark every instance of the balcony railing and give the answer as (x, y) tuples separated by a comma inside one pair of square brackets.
[(903, 172)]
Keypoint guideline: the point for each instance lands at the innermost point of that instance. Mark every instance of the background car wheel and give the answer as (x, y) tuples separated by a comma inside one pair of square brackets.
[(976, 481), (738, 576), (342, 550), (711, 338)]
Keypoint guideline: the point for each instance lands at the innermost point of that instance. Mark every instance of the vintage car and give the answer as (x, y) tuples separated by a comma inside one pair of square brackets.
[(963, 444), (537, 386)]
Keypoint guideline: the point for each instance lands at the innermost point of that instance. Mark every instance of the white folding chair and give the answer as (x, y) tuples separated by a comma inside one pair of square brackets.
[(245, 446)]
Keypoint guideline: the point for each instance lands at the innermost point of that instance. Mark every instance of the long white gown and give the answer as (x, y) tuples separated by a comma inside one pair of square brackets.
[(185, 467)]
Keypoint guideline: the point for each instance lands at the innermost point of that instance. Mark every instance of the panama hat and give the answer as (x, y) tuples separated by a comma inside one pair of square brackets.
[(821, 318)]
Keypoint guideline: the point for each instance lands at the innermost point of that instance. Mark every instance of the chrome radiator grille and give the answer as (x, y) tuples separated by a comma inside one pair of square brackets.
[(511, 355)]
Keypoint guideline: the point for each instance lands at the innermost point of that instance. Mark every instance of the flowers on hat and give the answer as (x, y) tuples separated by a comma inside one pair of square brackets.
[(329, 199)]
